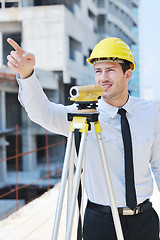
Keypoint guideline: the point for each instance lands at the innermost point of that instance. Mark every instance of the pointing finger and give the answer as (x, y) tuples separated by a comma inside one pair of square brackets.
[(15, 45)]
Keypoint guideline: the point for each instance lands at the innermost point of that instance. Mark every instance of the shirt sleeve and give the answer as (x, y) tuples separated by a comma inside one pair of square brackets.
[(155, 157), (40, 110)]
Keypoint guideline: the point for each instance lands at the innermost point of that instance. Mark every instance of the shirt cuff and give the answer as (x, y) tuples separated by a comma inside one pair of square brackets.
[(25, 79), (27, 83)]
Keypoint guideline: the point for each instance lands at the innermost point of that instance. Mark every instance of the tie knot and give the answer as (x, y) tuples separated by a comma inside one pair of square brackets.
[(122, 112)]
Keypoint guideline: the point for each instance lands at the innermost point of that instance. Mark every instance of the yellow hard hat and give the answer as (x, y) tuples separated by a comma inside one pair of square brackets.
[(111, 48)]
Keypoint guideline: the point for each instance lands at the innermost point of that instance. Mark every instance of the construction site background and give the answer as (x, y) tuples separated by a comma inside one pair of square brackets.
[(31, 159), (67, 30), (22, 187)]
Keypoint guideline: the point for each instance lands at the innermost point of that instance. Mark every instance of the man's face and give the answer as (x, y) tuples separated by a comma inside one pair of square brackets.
[(114, 81)]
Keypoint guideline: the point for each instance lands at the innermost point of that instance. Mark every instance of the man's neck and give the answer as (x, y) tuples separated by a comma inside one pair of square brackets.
[(116, 102)]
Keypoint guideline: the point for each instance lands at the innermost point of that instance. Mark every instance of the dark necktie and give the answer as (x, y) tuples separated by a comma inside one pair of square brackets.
[(131, 199)]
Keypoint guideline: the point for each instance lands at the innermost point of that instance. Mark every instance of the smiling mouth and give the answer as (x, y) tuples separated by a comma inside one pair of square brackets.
[(107, 86)]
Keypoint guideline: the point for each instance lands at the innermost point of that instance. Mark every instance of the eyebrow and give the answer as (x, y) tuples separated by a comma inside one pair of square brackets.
[(98, 68)]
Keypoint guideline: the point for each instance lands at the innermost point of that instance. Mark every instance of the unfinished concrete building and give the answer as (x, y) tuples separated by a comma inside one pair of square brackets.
[(62, 34)]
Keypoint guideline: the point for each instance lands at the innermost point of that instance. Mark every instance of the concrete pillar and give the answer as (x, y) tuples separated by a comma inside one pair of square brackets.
[(3, 165), (29, 161), (19, 3), (1, 48), (27, 3), (3, 3)]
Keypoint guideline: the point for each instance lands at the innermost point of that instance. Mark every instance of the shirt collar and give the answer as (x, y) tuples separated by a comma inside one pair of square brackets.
[(111, 110), (128, 104)]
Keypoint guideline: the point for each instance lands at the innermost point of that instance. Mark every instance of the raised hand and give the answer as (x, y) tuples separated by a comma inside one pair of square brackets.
[(20, 61)]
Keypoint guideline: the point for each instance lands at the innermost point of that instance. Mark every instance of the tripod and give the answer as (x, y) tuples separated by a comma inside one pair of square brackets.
[(82, 121)]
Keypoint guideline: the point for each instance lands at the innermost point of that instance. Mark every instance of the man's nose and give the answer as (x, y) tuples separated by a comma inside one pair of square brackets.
[(104, 76)]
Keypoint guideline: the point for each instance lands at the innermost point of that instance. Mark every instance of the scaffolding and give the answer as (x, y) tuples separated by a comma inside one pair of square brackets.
[(47, 176)]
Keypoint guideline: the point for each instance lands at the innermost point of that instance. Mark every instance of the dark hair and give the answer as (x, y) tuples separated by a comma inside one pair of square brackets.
[(126, 65)]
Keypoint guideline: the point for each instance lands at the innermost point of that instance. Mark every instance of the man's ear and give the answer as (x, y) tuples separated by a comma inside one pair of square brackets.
[(128, 74)]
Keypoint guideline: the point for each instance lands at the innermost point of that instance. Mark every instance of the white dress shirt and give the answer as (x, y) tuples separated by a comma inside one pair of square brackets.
[(144, 120)]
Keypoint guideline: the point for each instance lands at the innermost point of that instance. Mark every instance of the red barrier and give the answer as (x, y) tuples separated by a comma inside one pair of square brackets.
[(47, 159), (16, 167)]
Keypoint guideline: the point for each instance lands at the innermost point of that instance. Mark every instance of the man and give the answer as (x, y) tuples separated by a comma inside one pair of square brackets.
[(129, 159)]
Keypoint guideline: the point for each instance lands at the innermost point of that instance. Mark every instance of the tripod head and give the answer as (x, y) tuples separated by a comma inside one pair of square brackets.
[(86, 96)]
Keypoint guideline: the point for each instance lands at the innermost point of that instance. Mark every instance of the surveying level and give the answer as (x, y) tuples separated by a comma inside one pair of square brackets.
[(87, 93), (86, 98)]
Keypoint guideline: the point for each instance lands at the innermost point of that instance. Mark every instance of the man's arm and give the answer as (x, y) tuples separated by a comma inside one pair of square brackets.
[(155, 158), (49, 115)]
